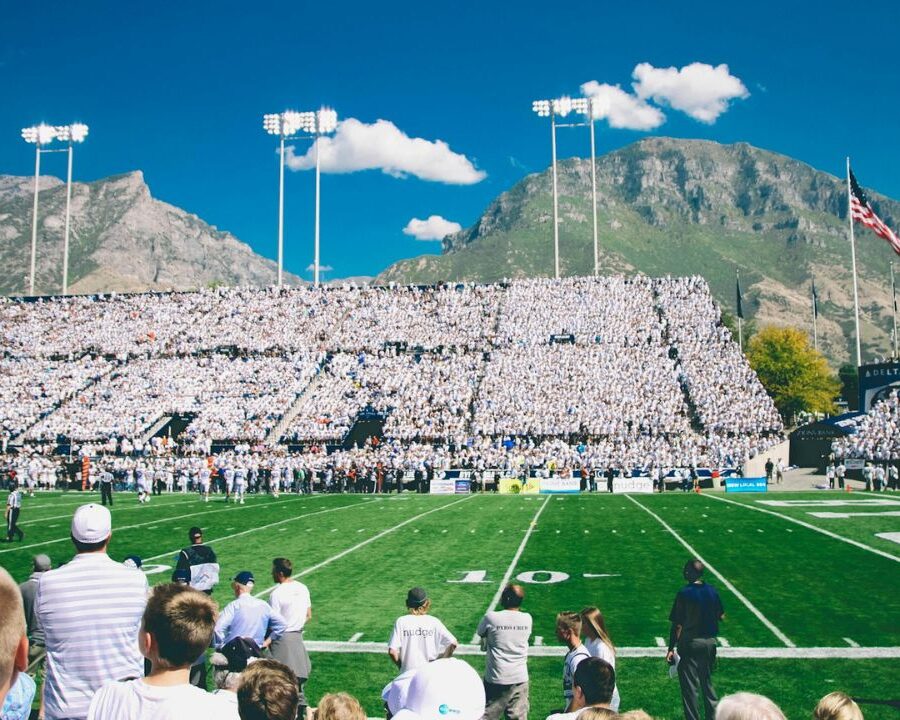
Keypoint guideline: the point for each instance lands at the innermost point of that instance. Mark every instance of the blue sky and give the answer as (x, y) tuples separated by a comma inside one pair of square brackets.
[(178, 90)]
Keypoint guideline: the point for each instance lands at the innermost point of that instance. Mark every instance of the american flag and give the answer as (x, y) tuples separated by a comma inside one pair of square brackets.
[(861, 211)]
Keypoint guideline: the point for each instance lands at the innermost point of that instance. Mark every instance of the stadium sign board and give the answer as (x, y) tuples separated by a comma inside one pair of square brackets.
[(876, 381), (632, 485), (558, 485), (745, 484)]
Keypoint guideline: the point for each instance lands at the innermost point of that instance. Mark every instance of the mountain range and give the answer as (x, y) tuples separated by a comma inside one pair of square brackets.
[(121, 239), (665, 206), (681, 207)]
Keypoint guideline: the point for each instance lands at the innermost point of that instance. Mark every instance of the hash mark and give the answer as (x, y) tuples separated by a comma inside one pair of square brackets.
[(851, 643), (355, 636), (538, 640), (660, 642)]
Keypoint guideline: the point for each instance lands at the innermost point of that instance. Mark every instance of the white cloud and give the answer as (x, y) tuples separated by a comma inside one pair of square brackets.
[(322, 268), (383, 146), (434, 228), (621, 109), (699, 90)]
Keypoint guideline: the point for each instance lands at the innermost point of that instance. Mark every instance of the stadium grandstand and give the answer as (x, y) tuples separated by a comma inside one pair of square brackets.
[(637, 374)]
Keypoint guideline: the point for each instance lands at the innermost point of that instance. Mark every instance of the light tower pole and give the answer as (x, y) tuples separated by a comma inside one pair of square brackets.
[(40, 135), (72, 134), (287, 125), (561, 107)]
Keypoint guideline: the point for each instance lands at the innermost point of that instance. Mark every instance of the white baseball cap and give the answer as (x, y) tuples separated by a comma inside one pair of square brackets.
[(91, 524), (448, 689)]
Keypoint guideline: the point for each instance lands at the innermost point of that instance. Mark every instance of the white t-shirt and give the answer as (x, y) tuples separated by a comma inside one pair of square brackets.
[(599, 649), (136, 700), (291, 600), (506, 633), (420, 639)]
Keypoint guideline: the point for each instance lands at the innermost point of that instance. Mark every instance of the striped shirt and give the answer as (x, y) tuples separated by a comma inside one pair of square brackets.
[(14, 499), (91, 611)]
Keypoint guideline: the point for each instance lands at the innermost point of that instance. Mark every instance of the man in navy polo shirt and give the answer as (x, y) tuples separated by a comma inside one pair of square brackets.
[(695, 618)]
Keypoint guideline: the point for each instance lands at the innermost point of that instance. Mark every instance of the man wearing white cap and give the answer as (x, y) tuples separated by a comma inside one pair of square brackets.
[(91, 611)]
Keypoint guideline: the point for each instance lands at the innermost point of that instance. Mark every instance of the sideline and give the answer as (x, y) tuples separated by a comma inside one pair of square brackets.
[(809, 526), (372, 539), (737, 593), (755, 653)]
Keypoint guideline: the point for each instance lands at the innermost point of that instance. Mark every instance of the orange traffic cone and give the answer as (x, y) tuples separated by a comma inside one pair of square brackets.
[(849, 489)]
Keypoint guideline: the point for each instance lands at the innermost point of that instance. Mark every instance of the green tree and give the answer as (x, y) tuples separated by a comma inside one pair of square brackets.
[(794, 374)]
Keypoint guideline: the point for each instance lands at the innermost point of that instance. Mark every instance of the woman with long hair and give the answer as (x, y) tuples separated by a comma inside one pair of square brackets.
[(598, 643)]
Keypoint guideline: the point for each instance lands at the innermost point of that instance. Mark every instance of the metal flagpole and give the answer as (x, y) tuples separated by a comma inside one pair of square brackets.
[(37, 174), (594, 187), (815, 322), (894, 308), (555, 202), (853, 260), (281, 208), (316, 260), (65, 272)]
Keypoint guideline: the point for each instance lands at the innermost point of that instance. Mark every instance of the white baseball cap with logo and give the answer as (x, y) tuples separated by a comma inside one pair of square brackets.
[(91, 524), (447, 689)]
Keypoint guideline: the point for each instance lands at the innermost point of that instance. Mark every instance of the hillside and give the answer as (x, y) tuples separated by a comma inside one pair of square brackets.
[(122, 239), (680, 207)]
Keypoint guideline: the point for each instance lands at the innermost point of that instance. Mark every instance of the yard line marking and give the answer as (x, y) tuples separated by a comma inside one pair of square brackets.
[(266, 527), (355, 636), (892, 536), (810, 526), (365, 542), (752, 653), (660, 642), (724, 643), (851, 643), (538, 641), (848, 515), (138, 525), (512, 566), (737, 593)]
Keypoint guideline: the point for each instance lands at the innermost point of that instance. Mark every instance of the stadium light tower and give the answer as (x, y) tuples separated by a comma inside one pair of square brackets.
[(288, 125), (40, 135), (324, 121), (71, 134), (561, 107)]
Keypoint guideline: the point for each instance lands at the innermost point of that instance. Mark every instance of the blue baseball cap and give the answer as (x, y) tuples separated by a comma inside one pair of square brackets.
[(244, 577)]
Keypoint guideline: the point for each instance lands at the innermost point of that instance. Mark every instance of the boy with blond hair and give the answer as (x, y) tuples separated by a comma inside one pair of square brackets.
[(176, 629)]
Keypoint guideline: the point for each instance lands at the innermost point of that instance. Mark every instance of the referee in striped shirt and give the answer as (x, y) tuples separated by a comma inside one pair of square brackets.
[(13, 508)]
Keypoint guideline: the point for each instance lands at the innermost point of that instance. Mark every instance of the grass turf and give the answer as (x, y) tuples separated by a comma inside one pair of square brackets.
[(359, 555)]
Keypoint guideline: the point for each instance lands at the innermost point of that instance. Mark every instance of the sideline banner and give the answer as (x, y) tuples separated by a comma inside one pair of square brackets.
[(632, 485), (443, 486), (510, 486), (747, 484), (560, 486)]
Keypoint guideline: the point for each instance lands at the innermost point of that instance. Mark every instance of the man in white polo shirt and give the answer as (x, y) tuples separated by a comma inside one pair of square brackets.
[(90, 610), (291, 599)]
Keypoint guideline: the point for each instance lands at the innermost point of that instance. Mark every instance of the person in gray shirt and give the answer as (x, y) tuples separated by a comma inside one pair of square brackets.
[(40, 565), (504, 635)]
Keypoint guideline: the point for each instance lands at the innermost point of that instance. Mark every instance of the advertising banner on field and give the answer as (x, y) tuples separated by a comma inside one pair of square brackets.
[(514, 486), (443, 486), (745, 484), (632, 485), (559, 485), (462, 487), (854, 463)]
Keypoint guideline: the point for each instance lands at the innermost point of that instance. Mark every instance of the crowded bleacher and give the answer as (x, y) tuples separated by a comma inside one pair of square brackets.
[(632, 373)]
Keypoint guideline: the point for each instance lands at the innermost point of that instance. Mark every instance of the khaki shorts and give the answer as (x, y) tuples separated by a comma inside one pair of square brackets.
[(508, 700)]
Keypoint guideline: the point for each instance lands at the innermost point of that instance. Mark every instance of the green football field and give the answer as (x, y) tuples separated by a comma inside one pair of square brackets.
[(810, 581)]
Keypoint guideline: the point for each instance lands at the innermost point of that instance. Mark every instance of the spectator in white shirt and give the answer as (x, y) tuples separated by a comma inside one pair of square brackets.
[(291, 600), (90, 610), (599, 644), (418, 638), (176, 629)]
